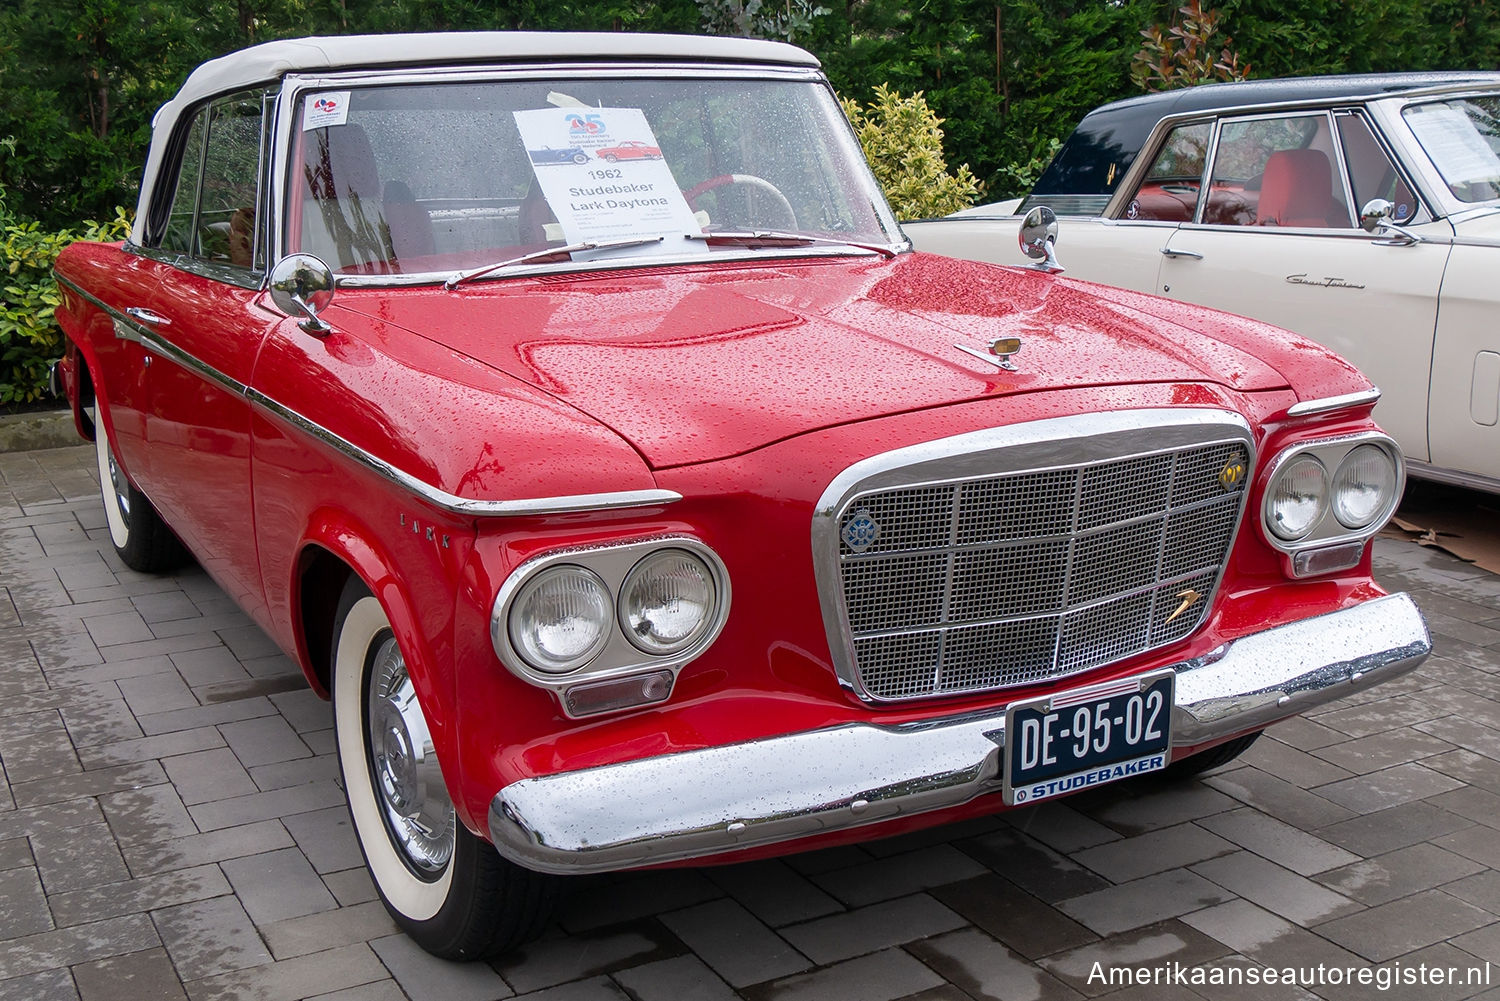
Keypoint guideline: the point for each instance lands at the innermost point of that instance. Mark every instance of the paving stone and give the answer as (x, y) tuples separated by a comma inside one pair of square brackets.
[(1478, 805), (774, 892), (1278, 842), (1238, 978), (152, 814), (96, 782), (77, 857), (210, 937), (352, 886), (1143, 901), (1378, 717), (140, 976), (551, 961), (114, 670), (1387, 788), (204, 776), (40, 820), (1276, 889), (187, 719), (1137, 807), (1400, 826), (1441, 973), (263, 740), (1469, 768), (136, 895), (1060, 827), (878, 926), (1369, 754), (1481, 889), (165, 606), (266, 805), (304, 710), (319, 973), (79, 944), (984, 969), (49, 985), (123, 752), (1155, 851), (14, 853), (1483, 943), (825, 859), (157, 647), (424, 977), (1255, 932), (1032, 866), (23, 903), (1294, 765), (37, 756), (1279, 798), (208, 666), (326, 929), (248, 688), (676, 979), (1399, 873), (1014, 917), (1478, 843), (1401, 926), (1464, 733), (326, 837), (627, 898), (277, 885), (157, 693), (899, 875), (882, 976), (1154, 945), (734, 943), (596, 989), (379, 990)]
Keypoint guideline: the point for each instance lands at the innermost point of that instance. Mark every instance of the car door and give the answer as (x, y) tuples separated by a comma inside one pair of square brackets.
[(207, 330), (1275, 239)]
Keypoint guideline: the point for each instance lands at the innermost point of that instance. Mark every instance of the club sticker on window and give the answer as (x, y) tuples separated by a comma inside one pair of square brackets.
[(329, 108), (603, 175)]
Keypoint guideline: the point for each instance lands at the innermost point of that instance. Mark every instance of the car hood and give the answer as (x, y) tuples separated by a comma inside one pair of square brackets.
[(696, 363)]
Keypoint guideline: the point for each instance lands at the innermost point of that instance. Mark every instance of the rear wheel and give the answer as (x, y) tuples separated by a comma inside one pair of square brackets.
[(1210, 759), (446, 888), (141, 539)]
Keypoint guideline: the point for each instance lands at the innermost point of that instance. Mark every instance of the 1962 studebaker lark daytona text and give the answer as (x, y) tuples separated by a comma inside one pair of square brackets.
[(672, 511)]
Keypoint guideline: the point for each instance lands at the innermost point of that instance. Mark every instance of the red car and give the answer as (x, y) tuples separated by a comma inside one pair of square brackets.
[(630, 526), (630, 149)]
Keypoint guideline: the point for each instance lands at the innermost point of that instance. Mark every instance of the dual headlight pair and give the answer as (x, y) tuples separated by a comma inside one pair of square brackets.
[(628, 616), (1331, 496)]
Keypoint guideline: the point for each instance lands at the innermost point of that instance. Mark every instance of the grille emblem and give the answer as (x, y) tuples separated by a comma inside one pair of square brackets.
[(861, 531), (1233, 473), (1189, 598)]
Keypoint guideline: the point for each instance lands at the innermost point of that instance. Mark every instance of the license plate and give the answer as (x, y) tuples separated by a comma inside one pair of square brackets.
[(1073, 740)]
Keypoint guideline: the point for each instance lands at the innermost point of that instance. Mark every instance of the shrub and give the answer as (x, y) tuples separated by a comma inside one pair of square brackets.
[(902, 140), (1181, 54), (29, 337)]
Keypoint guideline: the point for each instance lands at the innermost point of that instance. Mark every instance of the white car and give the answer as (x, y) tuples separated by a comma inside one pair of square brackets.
[(1360, 211)]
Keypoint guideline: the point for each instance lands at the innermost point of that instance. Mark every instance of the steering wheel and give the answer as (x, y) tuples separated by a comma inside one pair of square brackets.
[(749, 181)]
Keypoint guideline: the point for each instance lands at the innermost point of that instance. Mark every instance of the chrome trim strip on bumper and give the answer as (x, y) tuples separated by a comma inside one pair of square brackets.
[(129, 329), (696, 804)]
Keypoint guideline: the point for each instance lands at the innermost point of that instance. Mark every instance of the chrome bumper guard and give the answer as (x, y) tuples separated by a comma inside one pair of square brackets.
[(700, 803)]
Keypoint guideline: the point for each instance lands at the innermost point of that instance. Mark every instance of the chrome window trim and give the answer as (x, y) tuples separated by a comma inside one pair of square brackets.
[(127, 328), (229, 274), (613, 563), (1365, 397), (295, 84), (1060, 442)]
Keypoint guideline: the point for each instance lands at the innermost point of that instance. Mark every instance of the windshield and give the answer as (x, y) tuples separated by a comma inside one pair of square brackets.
[(448, 177), (1463, 139)]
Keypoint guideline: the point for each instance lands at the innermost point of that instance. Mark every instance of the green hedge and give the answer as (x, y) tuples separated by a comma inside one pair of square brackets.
[(29, 337)]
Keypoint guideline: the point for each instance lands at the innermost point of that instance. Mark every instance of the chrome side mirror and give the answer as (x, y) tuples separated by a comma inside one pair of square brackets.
[(1378, 216), (302, 285), (1038, 239)]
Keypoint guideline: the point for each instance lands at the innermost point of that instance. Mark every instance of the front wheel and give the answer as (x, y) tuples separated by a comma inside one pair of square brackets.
[(1212, 758), (141, 539), (446, 888)]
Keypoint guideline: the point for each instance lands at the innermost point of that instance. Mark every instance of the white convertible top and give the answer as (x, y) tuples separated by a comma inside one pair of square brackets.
[(268, 62)]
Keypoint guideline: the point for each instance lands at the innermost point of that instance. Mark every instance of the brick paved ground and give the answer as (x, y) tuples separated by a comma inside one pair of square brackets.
[(171, 825)]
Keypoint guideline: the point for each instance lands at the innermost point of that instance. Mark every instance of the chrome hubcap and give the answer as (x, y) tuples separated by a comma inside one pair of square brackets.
[(117, 480), (408, 782)]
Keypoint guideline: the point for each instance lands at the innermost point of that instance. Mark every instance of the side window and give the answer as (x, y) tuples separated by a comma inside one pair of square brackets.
[(177, 238), (215, 207), (1277, 172), (1371, 172), (1169, 191)]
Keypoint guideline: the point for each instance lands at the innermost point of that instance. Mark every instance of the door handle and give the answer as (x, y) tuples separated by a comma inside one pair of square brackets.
[(1171, 252), (147, 317)]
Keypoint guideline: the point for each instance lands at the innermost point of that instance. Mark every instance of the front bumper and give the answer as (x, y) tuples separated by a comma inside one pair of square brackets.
[(694, 804)]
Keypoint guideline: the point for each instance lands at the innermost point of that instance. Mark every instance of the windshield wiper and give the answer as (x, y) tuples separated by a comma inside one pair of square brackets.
[(776, 238), (542, 255)]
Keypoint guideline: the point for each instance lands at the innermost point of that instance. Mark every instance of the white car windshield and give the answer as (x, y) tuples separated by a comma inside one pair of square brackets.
[(1462, 137), (453, 178)]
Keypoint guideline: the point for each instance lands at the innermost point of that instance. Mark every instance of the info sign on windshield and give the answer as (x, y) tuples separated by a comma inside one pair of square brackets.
[(601, 171)]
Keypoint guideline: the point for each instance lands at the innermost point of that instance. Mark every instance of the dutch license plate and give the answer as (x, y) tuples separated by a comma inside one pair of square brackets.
[(1088, 736)]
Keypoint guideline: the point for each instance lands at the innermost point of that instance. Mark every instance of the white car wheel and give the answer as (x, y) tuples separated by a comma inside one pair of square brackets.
[(140, 538)]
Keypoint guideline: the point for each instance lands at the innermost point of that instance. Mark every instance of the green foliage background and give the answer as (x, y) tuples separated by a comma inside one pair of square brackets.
[(80, 79)]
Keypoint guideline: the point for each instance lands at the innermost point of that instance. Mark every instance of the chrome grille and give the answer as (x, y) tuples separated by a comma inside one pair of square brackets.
[(1026, 575)]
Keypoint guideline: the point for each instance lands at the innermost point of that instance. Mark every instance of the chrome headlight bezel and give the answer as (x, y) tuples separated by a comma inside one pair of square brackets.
[(619, 658), (1327, 532)]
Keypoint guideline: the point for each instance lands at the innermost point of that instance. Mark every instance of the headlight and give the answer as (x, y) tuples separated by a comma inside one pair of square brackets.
[(1299, 496), (561, 619), (667, 601), (1364, 486)]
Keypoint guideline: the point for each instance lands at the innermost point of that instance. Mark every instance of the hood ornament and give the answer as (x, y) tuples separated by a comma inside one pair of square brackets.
[(999, 354)]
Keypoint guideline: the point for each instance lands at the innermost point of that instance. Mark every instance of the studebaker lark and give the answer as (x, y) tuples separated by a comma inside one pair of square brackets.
[(673, 511)]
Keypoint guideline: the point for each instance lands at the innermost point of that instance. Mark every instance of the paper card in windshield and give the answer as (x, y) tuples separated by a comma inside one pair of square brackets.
[(602, 172)]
